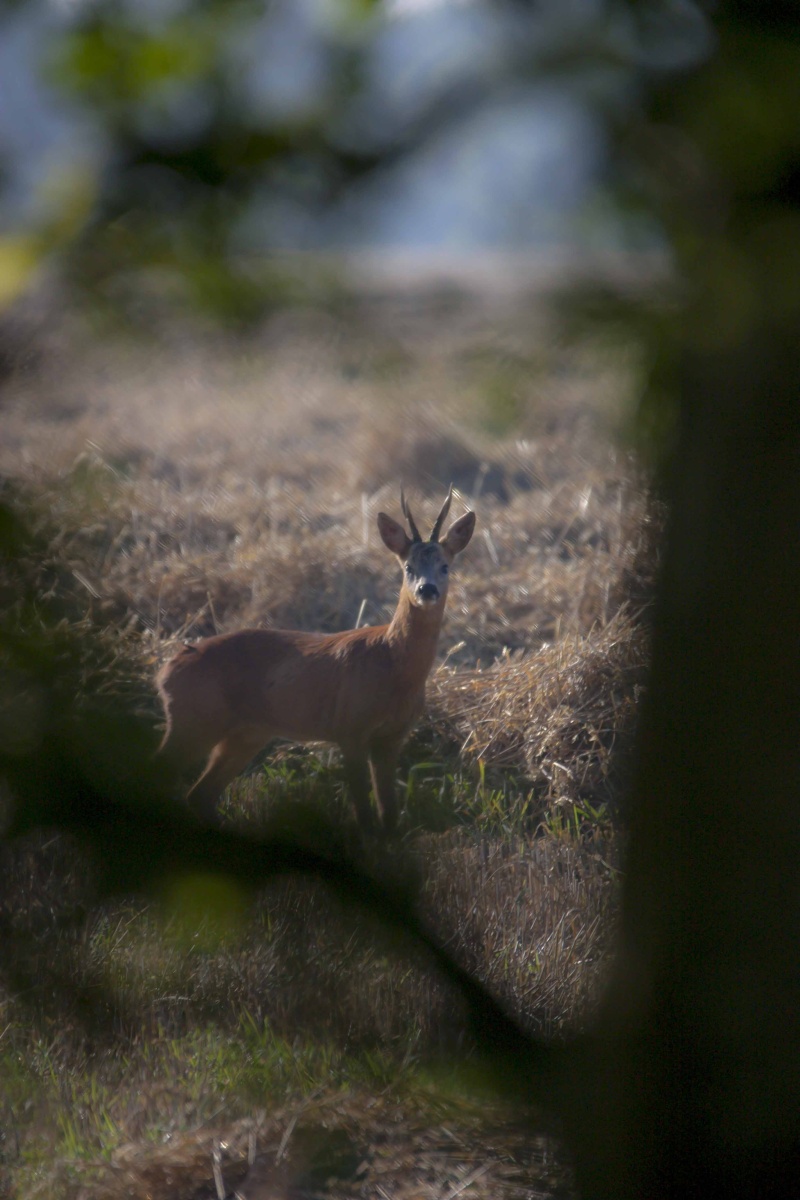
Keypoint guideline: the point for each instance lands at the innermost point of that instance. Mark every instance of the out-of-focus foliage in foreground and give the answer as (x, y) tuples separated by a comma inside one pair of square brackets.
[(689, 1082), (699, 1070), (208, 134), (182, 142)]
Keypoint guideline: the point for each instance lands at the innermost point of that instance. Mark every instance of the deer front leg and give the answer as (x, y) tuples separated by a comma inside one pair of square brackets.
[(383, 756), (357, 777)]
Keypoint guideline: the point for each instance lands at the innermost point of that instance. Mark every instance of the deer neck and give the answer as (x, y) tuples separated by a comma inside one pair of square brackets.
[(413, 635)]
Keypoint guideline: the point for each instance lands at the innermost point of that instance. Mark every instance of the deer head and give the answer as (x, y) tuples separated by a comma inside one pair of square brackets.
[(426, 564)]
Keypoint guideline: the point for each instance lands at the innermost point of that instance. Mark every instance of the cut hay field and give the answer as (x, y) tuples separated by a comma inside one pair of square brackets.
[(198, 483)]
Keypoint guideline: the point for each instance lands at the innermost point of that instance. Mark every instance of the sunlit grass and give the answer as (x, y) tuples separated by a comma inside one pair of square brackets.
[(199, 490)]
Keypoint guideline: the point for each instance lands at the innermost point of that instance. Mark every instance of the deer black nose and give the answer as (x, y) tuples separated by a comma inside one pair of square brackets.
[(428, 591)]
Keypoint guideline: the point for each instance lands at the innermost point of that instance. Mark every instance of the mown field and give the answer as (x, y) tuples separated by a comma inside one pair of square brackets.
[(195, 483)]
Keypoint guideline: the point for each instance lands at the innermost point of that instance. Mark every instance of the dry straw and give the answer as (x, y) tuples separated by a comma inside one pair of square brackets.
[(206, 488)]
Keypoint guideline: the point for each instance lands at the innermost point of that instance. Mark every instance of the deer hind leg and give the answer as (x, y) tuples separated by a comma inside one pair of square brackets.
[(181, 752), (188, 738), (227, 760), (181, 749)]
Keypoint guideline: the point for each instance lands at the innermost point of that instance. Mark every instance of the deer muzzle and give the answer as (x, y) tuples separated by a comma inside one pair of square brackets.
[(427, 593)]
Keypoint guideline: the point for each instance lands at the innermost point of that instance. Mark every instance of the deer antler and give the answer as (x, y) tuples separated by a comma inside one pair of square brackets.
[(415, 534), (437, 529)]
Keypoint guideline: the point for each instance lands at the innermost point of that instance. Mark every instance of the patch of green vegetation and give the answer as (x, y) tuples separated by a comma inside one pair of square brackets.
[(54, 1103), (300, 777), (435, 795), (78, 1110), (576, 820), (443, 794), (274, 1066)]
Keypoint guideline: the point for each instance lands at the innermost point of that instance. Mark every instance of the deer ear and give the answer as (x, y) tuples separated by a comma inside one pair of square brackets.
[(459, 533), (393, 535)]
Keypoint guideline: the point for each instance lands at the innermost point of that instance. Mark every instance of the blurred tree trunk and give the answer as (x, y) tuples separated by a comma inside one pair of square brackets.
[(695, 1069), (698, 1060)]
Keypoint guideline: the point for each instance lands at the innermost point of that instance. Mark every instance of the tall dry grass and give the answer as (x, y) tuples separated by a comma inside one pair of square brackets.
[(200, 485)]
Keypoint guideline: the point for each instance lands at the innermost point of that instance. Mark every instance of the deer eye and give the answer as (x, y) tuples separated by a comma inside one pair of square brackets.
[(445, 568)]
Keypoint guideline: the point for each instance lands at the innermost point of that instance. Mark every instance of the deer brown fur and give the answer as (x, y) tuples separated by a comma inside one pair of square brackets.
[(225, 697)]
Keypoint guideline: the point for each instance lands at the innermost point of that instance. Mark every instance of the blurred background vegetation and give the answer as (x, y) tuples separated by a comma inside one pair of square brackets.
[(231, 158)]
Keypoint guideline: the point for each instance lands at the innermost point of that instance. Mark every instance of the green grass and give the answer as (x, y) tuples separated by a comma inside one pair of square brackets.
[(435, 795), (80, 1110)]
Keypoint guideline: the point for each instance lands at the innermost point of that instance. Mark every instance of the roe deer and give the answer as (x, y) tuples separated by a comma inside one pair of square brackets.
[(225, 697)]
